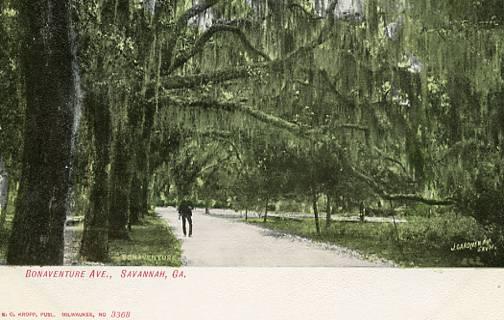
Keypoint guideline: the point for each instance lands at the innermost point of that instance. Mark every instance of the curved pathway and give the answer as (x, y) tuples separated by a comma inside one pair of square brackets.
[(226, 242)]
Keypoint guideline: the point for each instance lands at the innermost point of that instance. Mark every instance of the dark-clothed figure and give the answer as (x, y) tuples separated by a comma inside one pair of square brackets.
[(185, 211), (362, 211)]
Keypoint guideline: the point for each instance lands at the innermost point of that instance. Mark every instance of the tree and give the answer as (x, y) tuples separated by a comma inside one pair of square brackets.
[(94, 245), (11, 106), (51, 103)]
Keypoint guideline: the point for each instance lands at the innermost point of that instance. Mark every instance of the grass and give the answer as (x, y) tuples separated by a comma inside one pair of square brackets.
[(421, 242), (152, 243), (5, 232), (4, 239)]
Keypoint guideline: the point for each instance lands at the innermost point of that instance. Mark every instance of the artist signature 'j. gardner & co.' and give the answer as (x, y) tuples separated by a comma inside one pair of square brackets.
[(480, 246)]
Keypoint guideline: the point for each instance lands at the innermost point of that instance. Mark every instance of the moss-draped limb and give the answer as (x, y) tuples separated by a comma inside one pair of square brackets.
[(241, 72), (181, 24), (378, 189), (200, 43)]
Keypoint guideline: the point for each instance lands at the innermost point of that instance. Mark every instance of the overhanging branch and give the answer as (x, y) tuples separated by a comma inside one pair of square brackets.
[(241, 72), (191, 81), (417, 198), (309, 15), (311, 133), (389, 158), (406, 197), (206, 36), (181, 25), (240, 107), (194, 11)]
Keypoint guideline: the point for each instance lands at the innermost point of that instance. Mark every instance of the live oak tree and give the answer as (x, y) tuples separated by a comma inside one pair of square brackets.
[(47, 60)]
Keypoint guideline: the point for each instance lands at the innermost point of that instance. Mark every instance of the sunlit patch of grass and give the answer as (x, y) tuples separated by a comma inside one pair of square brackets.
[(421, 242), (152, 243)]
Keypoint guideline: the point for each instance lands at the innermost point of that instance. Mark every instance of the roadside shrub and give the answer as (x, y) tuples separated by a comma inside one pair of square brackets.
[(441, 232), (484, 201)]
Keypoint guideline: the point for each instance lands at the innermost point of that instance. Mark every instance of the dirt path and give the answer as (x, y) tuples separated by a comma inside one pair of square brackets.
[(219, 241)]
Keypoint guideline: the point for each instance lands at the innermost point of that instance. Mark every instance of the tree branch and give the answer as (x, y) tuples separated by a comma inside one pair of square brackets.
[(182, 22), (305, 132), (417, 198), (241, 72), (220, 76), (407, 197), (191, 81), (194, 11), (386, 157), (224, 136), (206, 36), (352, 126), (331, 85), (240, 107), (310, 16), (330, 12)]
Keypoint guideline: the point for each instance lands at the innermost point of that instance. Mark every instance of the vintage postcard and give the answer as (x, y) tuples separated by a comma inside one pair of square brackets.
[(275, 159)]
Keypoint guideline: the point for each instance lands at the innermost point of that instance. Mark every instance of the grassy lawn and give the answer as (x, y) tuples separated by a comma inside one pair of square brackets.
[(421, 242), (152, 244)]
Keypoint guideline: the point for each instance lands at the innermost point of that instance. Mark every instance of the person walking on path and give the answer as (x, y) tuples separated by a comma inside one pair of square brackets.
[(362, 211), (185, 211)]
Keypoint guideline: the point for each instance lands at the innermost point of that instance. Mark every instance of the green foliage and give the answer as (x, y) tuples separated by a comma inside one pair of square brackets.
[(484, 200), (152, 243), (421, 242), (410, 94), (11, 85)]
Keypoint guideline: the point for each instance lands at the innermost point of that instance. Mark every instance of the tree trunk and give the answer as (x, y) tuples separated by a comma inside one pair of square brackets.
[(3, 209), (246, 214), (315, 212), (4, 194), (398, 238), (135, 209), (139, 194), (135, 157), (265, 218), (37, 232), (328, 212), (94, 245), (145, 110), (120, 181), (149, 114)]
